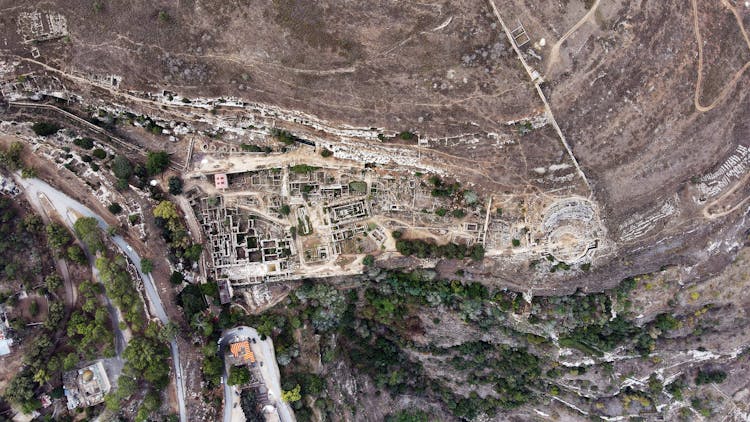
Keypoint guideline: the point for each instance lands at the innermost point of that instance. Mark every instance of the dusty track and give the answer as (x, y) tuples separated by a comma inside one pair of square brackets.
[(707, 209), (554, 55), (536, 82), (732, 82)]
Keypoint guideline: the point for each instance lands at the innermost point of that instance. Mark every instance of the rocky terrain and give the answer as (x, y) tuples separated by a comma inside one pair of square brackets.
[(611, 140)]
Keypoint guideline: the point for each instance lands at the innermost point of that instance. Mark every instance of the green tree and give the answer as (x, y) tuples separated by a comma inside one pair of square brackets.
[(175, 185), (212, 369), (655, 385), (122, 168), (176, 277), (407, 136), (292, 395), (28, 173), (34, 308), (146, 265), (368, 260), (710, 376), (76, 254), (166, 210), (70, 361), (32, 223), (238, 375), (87, 229), (12, 157), (57, 236), (285, 210), (157, 162), (53, 282), (477, 252), (145, 358), (114, 208), (21, 388), (45, 128)]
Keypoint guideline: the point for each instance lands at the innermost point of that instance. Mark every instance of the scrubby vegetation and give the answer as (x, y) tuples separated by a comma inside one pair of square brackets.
[(371, 329), (426, 249), (157, 162), (174, 232), (45, 128)]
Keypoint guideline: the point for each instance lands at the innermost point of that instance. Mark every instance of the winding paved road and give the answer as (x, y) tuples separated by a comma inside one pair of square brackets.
[(64, 205)]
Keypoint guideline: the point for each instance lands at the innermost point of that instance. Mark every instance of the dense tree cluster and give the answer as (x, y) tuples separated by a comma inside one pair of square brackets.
[(88, 328), (23, 256), (710, 376), (175, 234), (326, 305), (119, 287), (427, 249), (441, 189)]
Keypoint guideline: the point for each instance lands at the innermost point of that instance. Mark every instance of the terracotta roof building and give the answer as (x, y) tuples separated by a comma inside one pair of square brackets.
[(241, 352)]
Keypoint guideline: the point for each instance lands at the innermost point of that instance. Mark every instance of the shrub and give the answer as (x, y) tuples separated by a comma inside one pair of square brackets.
[(238, 375), (85, 143), (175, 185), (459, 213), (114, 208), (250, 148), (28, 173), (368, 260), (75, 254), (325, 153), (407, 136), (710, 376), (176, 277), (45, 128), (87, 229), (283, 136), (146, 265), (122, 168), (157, 162), (302, 168), (99, 153)]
